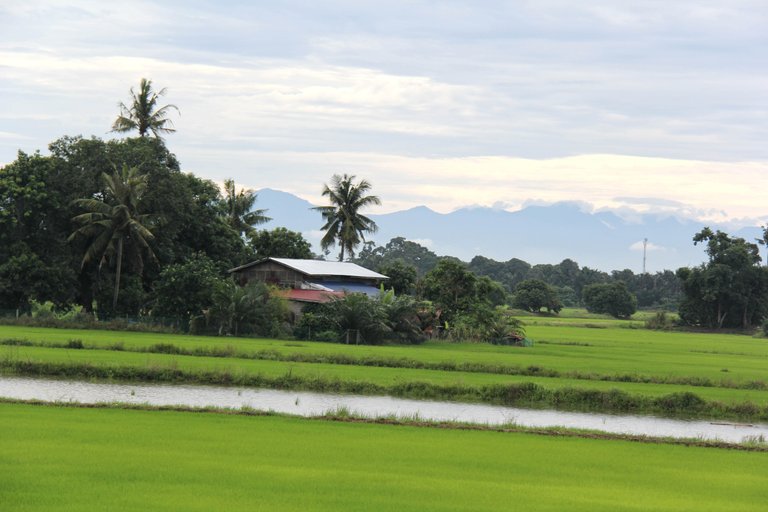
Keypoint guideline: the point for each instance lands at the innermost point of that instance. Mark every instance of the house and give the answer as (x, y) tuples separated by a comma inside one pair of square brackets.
[(310, 281)]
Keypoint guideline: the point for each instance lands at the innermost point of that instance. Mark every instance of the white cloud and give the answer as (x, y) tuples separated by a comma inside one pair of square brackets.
[(651, 107)]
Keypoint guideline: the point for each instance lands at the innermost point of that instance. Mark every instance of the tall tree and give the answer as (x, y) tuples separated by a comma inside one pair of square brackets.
[(344, 224), (111, 221), (730, 290), (143, 113), (238, 209)]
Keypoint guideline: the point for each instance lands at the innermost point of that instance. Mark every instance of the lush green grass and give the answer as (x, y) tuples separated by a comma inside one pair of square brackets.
[(604, 352), (82, 459)]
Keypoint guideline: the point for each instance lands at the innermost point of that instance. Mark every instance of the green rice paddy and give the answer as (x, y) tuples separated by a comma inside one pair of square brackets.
[(69, 458), (57, 458)]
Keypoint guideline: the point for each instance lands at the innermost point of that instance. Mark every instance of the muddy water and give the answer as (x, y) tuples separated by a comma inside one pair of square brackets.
[(312, 404)]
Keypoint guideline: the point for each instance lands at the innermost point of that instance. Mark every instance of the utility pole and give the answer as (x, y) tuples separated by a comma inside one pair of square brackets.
[(645, 246)]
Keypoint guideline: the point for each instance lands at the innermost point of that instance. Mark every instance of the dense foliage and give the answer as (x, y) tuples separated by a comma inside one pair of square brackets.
[(358, 318), (610, 298), (534, 294), (659, 290), (279, 243), (730, 290), (45, 199)]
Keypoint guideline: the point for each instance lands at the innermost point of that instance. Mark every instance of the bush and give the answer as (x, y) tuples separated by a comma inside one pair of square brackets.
[(490, 325), (357, 318), (659, 321), (75, 343)]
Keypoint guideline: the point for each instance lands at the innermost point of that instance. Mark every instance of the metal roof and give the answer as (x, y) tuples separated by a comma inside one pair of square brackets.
[(316, 268), (328, 268)]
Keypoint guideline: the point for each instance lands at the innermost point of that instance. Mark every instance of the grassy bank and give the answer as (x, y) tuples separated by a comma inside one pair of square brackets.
[(131, 460), (605, 354)]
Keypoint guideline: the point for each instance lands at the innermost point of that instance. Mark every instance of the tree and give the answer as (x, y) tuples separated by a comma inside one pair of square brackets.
[(143, 113), (730, 290), (402, 277), (186, 289), (455, 290), (280, 243), (534, 294), (35, 260), (611, 298), (357, 318), (344, 224), (247, 309), (238, 209), (398, 248), (112, 221)]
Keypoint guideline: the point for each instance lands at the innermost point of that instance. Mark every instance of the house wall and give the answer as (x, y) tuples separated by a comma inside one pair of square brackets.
[(271, 273)]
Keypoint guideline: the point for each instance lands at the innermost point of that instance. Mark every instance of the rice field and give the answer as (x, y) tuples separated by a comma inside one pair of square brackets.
[(63, 458)]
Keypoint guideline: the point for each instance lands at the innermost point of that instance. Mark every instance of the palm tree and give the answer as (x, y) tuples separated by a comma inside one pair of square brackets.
[(108, 225), (143, 114), (344, 224), (238, 209)]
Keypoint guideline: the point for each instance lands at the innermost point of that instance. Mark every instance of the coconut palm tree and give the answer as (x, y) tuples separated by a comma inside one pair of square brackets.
[(344, 224), (114, 220), (238, 209), (143, 113)]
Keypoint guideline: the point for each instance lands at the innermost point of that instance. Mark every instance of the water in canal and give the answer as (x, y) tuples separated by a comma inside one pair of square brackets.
[(312, 404)]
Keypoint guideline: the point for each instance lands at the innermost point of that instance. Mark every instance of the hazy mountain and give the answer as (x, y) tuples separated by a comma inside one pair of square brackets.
[(536, 234)]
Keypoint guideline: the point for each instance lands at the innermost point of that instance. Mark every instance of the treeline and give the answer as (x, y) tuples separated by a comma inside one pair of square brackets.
[(195, 233), (54, 247), (661, 290)]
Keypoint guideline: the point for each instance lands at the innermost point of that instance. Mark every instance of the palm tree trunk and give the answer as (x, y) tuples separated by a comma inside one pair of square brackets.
[(117, 273)]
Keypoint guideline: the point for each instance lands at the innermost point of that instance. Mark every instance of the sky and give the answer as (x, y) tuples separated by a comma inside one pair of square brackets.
[(633, 106)]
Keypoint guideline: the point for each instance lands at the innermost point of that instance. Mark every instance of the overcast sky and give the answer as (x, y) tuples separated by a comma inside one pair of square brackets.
[(632, 105)]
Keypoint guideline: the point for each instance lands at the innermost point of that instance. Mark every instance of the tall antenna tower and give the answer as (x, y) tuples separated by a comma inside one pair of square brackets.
[(645, 246)]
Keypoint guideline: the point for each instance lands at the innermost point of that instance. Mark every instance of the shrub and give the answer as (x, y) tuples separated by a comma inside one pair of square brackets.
[(659, 321), (76, 344)]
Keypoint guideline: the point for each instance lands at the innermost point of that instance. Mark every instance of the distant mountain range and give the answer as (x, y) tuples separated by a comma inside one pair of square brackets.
[(536, 234)]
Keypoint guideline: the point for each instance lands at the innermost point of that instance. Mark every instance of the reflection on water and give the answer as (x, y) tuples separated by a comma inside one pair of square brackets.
[(313, 404)]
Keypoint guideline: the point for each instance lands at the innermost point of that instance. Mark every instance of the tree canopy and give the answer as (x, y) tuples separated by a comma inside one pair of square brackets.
[(533, 295), (111, 221), (610, 298), (280, 243), (143, 114), (730, 290), (237, 208), (344, 224)]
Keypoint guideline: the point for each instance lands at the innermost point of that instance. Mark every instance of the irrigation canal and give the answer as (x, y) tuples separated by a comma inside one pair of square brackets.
[(314, 404)]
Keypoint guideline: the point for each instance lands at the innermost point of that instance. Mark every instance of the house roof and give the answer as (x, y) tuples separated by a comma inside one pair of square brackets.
[(318, 268), (309, 295)]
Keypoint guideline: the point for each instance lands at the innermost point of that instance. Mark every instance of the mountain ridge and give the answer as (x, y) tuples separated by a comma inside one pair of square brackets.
[(537, 234)]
